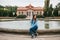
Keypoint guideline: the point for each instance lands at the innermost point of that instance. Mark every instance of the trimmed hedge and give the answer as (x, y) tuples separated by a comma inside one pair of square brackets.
[(21, 16), (39, 16)]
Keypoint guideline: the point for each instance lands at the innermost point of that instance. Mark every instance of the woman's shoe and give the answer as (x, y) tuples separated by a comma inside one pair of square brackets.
[(32, 36), (36, 34)]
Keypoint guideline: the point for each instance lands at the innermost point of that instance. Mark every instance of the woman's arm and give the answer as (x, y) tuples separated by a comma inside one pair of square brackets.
[(33, 24)]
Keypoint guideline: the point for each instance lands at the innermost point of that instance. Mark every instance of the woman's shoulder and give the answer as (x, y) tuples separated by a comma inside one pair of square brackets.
[(36, 19)]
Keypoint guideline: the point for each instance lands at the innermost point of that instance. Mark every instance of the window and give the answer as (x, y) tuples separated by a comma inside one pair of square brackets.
[(27, 13), (40, 13), (32, 13), (19, 13), (37, 13), (22, 13)]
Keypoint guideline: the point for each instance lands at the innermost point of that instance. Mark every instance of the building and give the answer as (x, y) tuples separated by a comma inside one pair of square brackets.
[(29, 10)]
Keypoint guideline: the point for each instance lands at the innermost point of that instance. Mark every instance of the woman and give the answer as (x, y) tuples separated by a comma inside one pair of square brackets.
[(34, 27)]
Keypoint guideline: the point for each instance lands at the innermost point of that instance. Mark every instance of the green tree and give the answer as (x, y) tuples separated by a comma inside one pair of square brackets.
[(55, 13), (46, 8), (11, 10), (50, 11), (1, 10), (58, 6)]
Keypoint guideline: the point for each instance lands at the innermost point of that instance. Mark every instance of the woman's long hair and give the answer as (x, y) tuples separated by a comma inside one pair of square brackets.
[(33, 18)]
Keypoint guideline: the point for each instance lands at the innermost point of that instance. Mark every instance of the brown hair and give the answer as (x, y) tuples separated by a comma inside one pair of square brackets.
[(33, 17)]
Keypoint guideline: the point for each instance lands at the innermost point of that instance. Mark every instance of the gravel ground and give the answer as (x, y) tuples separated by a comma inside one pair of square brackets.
[(8, 36)]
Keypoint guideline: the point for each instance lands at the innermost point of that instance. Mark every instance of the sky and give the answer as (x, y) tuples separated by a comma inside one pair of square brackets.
[(27, 2)]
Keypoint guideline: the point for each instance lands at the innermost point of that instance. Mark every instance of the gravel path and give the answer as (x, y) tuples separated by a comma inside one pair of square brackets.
[(6, 36)]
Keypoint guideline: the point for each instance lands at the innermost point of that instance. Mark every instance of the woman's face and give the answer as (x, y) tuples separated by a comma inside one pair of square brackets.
[(35, 17)]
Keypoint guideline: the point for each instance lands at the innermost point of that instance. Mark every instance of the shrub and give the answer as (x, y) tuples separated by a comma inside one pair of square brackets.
[(39, 16), (21, 16)]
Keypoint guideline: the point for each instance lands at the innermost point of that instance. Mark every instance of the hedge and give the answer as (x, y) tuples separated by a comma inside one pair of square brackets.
[(21, 16), (39, 16)]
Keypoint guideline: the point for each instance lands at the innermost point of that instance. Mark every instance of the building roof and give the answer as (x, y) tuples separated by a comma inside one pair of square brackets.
[(30, 7)]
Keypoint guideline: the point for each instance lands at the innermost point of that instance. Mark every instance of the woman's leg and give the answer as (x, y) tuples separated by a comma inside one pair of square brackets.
[(36, 31), (32, 32)]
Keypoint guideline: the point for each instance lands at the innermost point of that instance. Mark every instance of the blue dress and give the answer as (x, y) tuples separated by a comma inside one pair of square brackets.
[(34, 27)]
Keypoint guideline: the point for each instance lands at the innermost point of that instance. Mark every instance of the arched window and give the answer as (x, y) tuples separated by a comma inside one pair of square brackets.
[(40, 12), (27, 13), (19, 13), (37, 12), (22, 12), (32, 13)]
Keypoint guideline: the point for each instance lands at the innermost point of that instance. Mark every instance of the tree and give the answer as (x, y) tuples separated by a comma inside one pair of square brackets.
[(46, 8), (55, 13), (11, 10), (58, 6), (8, 11), (50, 11), (1, 10)]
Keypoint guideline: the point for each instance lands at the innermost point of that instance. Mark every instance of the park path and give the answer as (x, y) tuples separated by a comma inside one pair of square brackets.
[(8, 36)]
